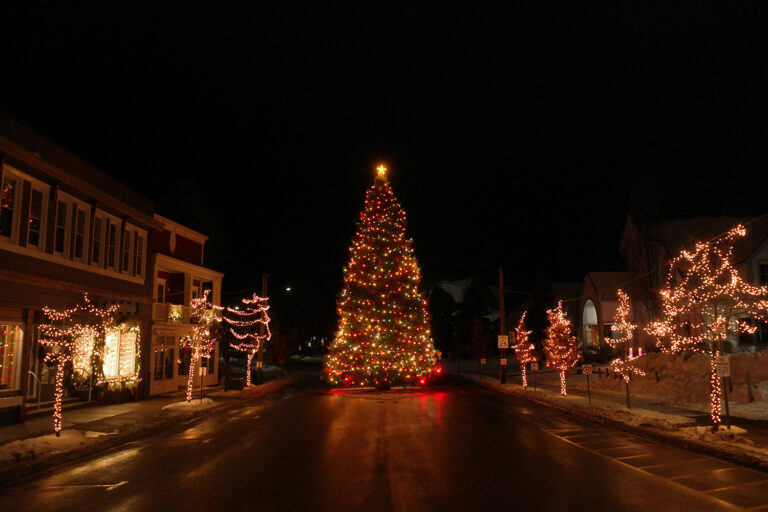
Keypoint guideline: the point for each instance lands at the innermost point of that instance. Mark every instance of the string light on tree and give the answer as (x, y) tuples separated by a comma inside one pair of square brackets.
[(204, 317), (383, 334), (560, 348), (704, 300), (524, 350), (245, 325), (75, 334)]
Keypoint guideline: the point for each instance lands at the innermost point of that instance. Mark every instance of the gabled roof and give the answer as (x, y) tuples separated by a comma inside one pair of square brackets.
[(607, 283)]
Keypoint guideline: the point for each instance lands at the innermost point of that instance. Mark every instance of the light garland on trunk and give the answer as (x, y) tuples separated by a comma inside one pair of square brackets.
[(626, 365), (204, 317)]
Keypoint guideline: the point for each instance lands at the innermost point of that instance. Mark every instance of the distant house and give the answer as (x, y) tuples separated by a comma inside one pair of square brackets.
[(178, 277), (646, 252)]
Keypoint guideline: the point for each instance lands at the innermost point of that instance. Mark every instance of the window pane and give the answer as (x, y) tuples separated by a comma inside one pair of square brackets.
[(126, 250), (139, 255), (111, 353), (79, 233), (10, 344), (111, 244), (127, 360), (7, 205), (35, 213), (96, 240), (159, 364), (169, 363), (61, 222)]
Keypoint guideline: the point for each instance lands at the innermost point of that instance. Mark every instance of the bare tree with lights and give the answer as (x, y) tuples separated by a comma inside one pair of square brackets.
[(75, 334), (204, 319), (623, 331), (560, 347), (703, 301), (524, 350), (246, 327)]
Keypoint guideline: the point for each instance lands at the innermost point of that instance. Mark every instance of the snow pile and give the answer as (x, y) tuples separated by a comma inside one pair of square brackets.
[(723, 433), (35, 446), (193, 405)]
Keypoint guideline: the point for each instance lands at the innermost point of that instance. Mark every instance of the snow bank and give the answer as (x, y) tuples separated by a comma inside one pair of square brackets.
[(194, 405), (41, 445)]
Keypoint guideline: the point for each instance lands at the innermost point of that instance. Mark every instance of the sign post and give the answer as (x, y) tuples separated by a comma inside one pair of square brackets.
[(534, 369), (503, 338), (586, 369)]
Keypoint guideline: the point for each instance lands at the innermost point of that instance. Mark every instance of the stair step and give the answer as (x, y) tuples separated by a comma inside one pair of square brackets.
[(47, 407)]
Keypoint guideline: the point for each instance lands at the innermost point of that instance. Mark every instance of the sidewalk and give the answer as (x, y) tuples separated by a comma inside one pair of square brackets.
[(745, 443), (31, 446)]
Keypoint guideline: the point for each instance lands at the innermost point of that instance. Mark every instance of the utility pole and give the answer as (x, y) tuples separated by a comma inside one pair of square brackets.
[(260, 357), (502, 329)]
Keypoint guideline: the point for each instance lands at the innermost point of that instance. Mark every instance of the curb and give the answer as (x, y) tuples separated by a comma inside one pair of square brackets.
[(655, 433), (16, 470)]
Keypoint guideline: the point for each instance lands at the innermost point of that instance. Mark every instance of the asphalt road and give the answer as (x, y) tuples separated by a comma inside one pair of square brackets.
[(453, 447)]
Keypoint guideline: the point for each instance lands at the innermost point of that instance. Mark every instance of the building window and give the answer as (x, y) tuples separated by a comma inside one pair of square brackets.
[(111, 242), (96, 244), (10, 356), (763, 273), (139, 255), (61, 227), (79, 233), (35, 216), (7, 205), (126, 250), (120, 353)]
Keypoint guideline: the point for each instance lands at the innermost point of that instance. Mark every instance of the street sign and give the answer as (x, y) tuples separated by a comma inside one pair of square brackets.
[(534, 366), (503, 361), (503, 341), (723, 365), (586, 369), (259, 364), (482, 360)]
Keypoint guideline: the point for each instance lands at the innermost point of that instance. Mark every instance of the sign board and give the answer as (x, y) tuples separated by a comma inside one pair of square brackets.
[(482, 360), (503, 341), (534, 366), (586, 369), (503, 361), (203, 371), (723, 365), (259, 364)]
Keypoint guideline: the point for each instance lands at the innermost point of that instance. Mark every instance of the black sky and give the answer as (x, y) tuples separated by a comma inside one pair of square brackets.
[(519, 137)]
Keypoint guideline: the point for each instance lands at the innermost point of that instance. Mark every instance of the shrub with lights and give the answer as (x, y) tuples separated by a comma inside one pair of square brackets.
[(622, 331), (383, 336), (705, 300), (560, 348)]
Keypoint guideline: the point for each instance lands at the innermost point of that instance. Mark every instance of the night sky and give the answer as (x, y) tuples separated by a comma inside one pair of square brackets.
[(520, 137)]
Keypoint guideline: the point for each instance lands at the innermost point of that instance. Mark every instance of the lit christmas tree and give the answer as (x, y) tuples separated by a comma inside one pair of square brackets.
[(250, 326), (74, 335), (203, 318), (560, 348), (383, 335), (524, 350), (703, 301)]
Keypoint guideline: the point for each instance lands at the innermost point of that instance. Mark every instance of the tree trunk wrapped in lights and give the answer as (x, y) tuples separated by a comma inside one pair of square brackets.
[(75, 334), (703, 301), (246, 326), (524, 350), (204, 318), (560, 348), (383, 335)]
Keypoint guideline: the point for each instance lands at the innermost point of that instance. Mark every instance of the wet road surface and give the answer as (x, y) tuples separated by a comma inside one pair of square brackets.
[(453, 447)]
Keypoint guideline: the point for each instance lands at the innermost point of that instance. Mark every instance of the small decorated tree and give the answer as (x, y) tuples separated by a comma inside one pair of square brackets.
[(524, 350), (623, 330), (250, 326), (705, 300), (560, 348), (204, 318), (75, 334)]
